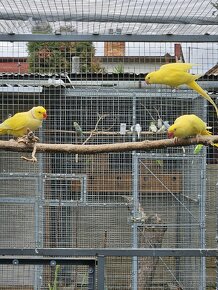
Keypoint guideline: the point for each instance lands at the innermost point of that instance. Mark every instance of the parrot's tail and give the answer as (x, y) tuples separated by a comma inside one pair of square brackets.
[(193, 85), (206, 132)]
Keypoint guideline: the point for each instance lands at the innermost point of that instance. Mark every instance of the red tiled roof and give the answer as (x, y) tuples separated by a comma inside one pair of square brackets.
[(14, 67)]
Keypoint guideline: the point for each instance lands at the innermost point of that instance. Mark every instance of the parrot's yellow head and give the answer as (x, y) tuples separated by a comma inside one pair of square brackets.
[(150, 78), (39, 112), (177, 130), (171, 131)]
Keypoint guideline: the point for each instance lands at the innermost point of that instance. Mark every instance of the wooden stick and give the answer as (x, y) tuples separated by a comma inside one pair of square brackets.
[(106, 148)]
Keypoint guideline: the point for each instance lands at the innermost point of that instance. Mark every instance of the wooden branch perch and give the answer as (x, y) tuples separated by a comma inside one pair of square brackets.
[(105, 148)]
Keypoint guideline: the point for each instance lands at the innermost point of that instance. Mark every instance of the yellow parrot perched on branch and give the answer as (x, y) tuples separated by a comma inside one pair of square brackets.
[(176, 74), (187, 126), (19, 124)]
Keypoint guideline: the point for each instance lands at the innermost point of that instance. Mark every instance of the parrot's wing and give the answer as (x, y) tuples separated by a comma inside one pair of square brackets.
[(177, 66), (17, 122), (191, 118)]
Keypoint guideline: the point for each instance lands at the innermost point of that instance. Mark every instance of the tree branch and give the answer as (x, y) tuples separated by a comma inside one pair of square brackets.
[(106, 148)]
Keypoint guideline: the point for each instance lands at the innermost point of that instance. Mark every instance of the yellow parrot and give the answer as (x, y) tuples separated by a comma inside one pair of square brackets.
[(20, 122), (176, 74), (187, 126)]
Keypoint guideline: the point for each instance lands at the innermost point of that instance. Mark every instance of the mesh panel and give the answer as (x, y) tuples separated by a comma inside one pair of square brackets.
[(161, 198)]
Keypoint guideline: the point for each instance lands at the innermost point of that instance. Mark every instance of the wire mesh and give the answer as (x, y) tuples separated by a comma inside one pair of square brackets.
[(62, 276), (109, 17), (166, 196), (118, 275)]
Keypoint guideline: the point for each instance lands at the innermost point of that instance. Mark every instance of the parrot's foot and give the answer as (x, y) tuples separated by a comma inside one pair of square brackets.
[(175, 140), (28, 139), (198, 137), (33, 159), (22, 140)]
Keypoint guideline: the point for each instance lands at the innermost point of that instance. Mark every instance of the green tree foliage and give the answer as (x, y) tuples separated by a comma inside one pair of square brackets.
[(56, 57), (51, 57)]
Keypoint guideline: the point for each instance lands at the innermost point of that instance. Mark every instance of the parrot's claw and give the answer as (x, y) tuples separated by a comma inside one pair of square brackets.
[(197, 137), (175, 140), (28, 139), (32, 138), (22, 140)]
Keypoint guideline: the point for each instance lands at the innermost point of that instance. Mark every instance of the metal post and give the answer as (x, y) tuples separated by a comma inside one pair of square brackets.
[(135, 205), (39, 218), (91, 277), (202, 198), (217, 236), (100, 276), (202, 284)]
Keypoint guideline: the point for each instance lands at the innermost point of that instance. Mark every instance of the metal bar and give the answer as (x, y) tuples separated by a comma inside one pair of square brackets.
[(22, 200), (110, 38), (38, 235), (91, 277), (29, 176), (165, 156), (206, 81), (84, 189), (52, 202), (39, 214), (110, 252), (108, 18), (216, 273), (32, 260), (100, 276), (51, 176), (135, 202), (74, 203), (202, 213), (216, 235)]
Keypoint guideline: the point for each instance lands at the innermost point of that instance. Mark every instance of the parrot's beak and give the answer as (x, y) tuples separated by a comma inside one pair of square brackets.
[(45, 115), (170, 135), (147, 82)]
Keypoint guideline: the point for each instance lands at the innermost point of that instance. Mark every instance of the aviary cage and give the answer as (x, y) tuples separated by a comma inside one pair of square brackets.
[(89, 68)]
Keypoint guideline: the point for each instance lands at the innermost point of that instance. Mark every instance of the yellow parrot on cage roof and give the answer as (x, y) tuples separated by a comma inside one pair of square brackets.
[(21, 122), (187, 126), (176, 74)]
